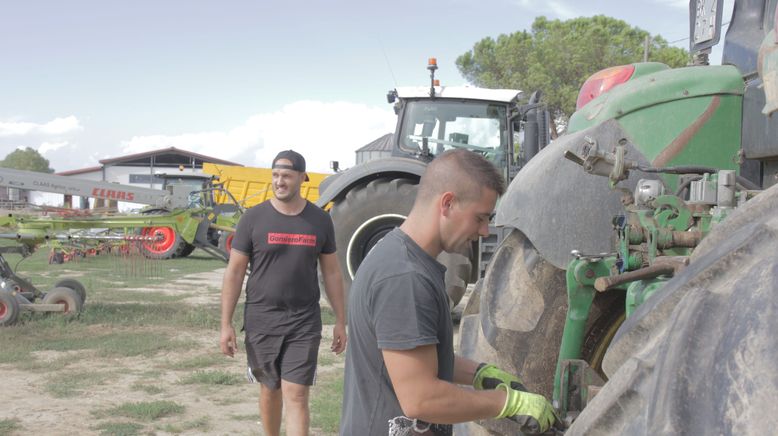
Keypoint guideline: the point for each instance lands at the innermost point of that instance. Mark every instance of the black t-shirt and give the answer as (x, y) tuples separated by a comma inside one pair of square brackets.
[(282, 291)]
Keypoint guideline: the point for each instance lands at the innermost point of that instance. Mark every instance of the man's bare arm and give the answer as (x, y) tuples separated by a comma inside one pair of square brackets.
[(231, 286), (422, 395), (464, 370), (333, 287)]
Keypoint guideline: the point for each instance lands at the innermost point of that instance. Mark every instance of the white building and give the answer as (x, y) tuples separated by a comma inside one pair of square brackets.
[(138, 169)]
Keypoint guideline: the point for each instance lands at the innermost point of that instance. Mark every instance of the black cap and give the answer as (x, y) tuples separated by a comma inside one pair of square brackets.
[(297, 160)]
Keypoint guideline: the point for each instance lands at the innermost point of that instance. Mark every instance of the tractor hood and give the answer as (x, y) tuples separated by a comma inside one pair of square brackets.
[(560, 207)]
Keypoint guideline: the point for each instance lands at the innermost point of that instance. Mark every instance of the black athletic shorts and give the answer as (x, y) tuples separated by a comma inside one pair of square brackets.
[(291, 357)]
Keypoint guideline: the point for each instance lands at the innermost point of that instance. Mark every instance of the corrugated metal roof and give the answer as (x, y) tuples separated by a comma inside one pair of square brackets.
[(167, 151), (78, 171), (383, 143)]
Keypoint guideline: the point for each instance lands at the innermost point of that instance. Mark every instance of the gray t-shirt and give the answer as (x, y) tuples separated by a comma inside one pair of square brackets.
[(397, 302), (282, 291)]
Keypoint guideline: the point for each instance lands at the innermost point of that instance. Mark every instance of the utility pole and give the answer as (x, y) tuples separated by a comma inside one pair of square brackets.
[(645, 48)]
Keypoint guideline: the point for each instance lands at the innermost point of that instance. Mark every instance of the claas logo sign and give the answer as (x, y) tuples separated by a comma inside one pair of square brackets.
[(113, 194)]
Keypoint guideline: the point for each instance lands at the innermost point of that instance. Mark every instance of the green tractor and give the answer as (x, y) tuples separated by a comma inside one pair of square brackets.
[(636, 287), (372, 198)]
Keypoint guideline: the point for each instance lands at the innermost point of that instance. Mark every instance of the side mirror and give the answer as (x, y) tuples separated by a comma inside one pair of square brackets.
[(704, 24)]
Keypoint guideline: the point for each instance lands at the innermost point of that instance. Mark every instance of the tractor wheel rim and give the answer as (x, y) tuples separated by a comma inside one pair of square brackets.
[(3, 310), (367, 235), (228, 242), (162, 245)]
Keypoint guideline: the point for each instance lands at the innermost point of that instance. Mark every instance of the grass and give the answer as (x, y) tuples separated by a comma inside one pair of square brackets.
[(326, 401), (72, 383), (9, 426), (211, 378), (150, 389), (197, 362), (119, 322), (22, 341), (202, 425), (105, 273), (143, 411), (119, 429)]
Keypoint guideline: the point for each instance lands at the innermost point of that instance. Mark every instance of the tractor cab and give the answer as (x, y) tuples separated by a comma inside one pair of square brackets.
[(434, 119)]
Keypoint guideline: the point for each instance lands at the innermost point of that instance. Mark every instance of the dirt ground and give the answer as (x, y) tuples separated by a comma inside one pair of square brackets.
[(229, 409)]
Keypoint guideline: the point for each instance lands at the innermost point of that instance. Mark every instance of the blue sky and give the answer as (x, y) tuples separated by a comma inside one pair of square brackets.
[(240, 80)]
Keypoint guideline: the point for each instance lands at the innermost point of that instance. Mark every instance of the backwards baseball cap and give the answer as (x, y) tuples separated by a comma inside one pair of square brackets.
[(297, 160)]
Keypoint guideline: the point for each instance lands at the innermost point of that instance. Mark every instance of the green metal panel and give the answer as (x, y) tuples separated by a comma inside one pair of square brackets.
[(693, 131), (658, 88), (674, 117)]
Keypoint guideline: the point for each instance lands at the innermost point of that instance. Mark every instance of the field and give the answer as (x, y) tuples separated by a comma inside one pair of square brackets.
[(141, 359)]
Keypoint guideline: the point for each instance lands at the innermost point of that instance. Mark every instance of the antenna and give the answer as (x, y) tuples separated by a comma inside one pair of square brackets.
[(388, 64)]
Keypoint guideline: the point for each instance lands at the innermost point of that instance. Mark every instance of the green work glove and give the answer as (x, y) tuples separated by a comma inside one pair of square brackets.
[(532, 411), (488, 376)]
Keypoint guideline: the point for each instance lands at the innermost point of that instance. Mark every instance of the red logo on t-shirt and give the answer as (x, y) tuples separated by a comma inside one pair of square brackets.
[(291, 239)]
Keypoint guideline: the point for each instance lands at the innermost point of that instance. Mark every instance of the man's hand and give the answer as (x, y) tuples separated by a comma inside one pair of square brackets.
[(338, 338), (228, 343), (488, 376), (532, 411)]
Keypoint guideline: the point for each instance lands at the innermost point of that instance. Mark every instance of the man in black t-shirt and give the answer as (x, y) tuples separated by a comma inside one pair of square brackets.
[(283, 239)]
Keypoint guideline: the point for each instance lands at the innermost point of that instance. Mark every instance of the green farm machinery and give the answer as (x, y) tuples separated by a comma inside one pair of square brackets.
[(636, 286), (175, 221)]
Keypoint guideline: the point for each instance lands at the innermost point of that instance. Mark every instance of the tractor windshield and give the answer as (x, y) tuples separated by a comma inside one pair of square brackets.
[(434, 126)]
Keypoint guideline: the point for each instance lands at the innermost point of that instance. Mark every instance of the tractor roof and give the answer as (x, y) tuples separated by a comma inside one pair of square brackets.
[(460, 92)]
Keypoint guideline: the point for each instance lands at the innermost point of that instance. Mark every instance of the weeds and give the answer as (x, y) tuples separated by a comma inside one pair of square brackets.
[(143, 411), (211, 378), (9, 426), (326, 401), (119, 429)]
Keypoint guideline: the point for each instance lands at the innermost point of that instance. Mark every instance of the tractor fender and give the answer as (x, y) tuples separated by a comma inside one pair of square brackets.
[(337, 185), (559, 206)]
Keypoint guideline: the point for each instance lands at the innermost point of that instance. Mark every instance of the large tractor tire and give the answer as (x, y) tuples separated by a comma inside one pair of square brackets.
[(169, 244), (74, 285), (700, 356), (9, 309), (188, 249), (516, 316), (66, 296), (458, 272), (368, 212)]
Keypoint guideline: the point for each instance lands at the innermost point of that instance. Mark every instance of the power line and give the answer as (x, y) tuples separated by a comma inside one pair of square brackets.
[(687, 38)]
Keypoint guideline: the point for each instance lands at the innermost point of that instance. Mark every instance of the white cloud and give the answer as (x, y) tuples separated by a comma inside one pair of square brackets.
[(561, 10), (15, 128), (678, 4), (51, 146), (321, 131), (57, 126), (554, 8)]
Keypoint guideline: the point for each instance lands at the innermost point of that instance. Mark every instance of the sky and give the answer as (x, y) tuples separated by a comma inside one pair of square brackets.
[(241, 80)]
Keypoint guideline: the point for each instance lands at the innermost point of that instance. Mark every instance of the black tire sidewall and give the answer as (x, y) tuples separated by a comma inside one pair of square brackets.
[(12, 308), (365, 202)]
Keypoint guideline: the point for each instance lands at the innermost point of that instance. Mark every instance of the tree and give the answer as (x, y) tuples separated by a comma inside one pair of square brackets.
[(556, 57), (27, 159)]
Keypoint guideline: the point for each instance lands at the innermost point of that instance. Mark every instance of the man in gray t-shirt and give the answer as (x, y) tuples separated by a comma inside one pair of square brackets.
[(401, 372)]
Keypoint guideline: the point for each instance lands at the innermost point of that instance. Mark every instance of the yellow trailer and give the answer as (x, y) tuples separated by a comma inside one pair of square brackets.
[(251, 186)]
